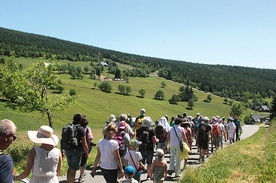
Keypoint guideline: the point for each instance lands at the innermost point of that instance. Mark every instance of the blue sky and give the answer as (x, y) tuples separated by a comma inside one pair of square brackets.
[(228, 32)]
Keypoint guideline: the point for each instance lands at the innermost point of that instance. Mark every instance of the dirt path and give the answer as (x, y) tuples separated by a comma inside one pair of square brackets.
[(248, 130)]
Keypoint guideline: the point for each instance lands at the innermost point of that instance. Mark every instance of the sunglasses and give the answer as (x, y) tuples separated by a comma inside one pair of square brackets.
[(13, 136)]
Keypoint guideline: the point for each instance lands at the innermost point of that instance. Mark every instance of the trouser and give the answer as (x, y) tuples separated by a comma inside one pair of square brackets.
[(110, 176), (174, 159)]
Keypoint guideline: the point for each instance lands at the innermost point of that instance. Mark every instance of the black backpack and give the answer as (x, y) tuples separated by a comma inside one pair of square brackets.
[(160, 133), (202, 129), (69, 136), (145, 139)]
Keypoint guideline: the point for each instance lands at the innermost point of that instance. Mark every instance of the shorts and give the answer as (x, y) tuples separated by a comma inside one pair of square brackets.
[(73, 159), (147, 156)]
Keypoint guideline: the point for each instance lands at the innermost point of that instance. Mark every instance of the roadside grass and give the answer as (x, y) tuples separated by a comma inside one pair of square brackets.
[(250, 160)]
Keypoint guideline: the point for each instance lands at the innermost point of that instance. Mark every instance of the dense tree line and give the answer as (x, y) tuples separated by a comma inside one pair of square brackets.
[(235, 82)]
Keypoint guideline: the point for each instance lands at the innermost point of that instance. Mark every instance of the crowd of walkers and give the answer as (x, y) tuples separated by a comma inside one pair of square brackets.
[(144, 145), (126, 149)]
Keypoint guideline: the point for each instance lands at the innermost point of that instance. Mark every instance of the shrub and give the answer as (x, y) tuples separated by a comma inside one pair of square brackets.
[(72, 92)]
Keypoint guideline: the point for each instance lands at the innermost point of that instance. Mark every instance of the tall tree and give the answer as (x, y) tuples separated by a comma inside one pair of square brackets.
[(30, 89)]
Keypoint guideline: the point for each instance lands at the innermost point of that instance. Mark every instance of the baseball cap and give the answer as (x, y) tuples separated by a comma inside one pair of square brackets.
[(134, 143), (129, 170), (159, 152)]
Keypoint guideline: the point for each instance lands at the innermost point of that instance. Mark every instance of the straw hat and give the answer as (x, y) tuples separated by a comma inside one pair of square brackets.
[(43, 136)]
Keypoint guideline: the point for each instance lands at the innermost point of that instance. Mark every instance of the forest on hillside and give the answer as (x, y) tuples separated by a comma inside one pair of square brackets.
[(239, 83)]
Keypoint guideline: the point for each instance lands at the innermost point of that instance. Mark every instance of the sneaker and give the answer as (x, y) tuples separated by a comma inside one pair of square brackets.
[(81, 179), (170, 172)]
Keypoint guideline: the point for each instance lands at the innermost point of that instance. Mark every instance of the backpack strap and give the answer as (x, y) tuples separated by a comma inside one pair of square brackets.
[(176, 134), (133, 161)]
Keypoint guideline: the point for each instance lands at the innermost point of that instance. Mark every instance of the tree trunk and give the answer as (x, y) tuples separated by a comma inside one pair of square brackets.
[(49, 118)]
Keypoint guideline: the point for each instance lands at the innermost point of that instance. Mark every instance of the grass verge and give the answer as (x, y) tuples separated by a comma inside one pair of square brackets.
[(250, 160)]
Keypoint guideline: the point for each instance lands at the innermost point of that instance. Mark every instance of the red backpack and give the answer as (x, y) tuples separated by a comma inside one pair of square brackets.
[(215, 130)]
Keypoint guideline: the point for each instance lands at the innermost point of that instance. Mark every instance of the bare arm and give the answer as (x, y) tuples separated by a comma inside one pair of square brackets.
[(154, 139), (84, 145), (29, 165), (59, 163), (184, 136), (167, 139), (96, 162), (118, 160)]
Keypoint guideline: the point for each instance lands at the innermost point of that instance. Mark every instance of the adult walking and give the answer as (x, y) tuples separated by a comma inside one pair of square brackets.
[(7, 136), (146, 135), (108, 156), (44, 161), (74, 154), (89, 138), (161, 130), (203, 138), (175, 135), (231, 128), (238, 127)]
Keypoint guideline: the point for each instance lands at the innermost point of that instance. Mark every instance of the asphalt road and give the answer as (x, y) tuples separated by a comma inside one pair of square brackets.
[(248, 130)]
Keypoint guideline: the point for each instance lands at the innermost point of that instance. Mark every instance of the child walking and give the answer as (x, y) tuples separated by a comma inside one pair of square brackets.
[(44, 160), (134, 158), (159, 167), (129, 173)]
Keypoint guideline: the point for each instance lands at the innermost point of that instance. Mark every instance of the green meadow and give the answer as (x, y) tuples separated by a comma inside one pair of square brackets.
[(98, 105)]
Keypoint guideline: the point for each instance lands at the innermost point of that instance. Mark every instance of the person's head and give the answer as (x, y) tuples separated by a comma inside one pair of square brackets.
[(142, 112), (110, 130), (122, 126), (230, 119), (123, 117), (44, 135), (177, 121), (146, 122), (206, 119), (184, 115), (160, 154), (167, 117), (7, 133), (185, 124), (134, 144), (112, 118), (84, 121), (77, 118), (172, 118), (129, 171)]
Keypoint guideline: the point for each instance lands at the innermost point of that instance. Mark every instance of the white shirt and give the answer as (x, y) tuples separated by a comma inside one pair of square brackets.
[(107, 159), (173, 138)]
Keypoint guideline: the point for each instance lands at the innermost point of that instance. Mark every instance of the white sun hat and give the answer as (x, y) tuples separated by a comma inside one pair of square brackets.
[(43, 136)]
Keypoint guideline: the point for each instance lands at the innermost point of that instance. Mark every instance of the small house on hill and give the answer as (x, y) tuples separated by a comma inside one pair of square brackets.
[(103, 64), (258, 118), (262, 108)]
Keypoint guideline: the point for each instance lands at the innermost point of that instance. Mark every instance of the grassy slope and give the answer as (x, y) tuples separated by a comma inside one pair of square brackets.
[(250, 160), (98, 105)]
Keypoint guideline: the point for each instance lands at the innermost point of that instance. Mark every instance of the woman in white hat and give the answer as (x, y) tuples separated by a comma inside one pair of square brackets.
[(45, 160)]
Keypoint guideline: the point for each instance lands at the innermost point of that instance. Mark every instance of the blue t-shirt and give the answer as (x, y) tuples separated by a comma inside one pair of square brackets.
[(6, 169)]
